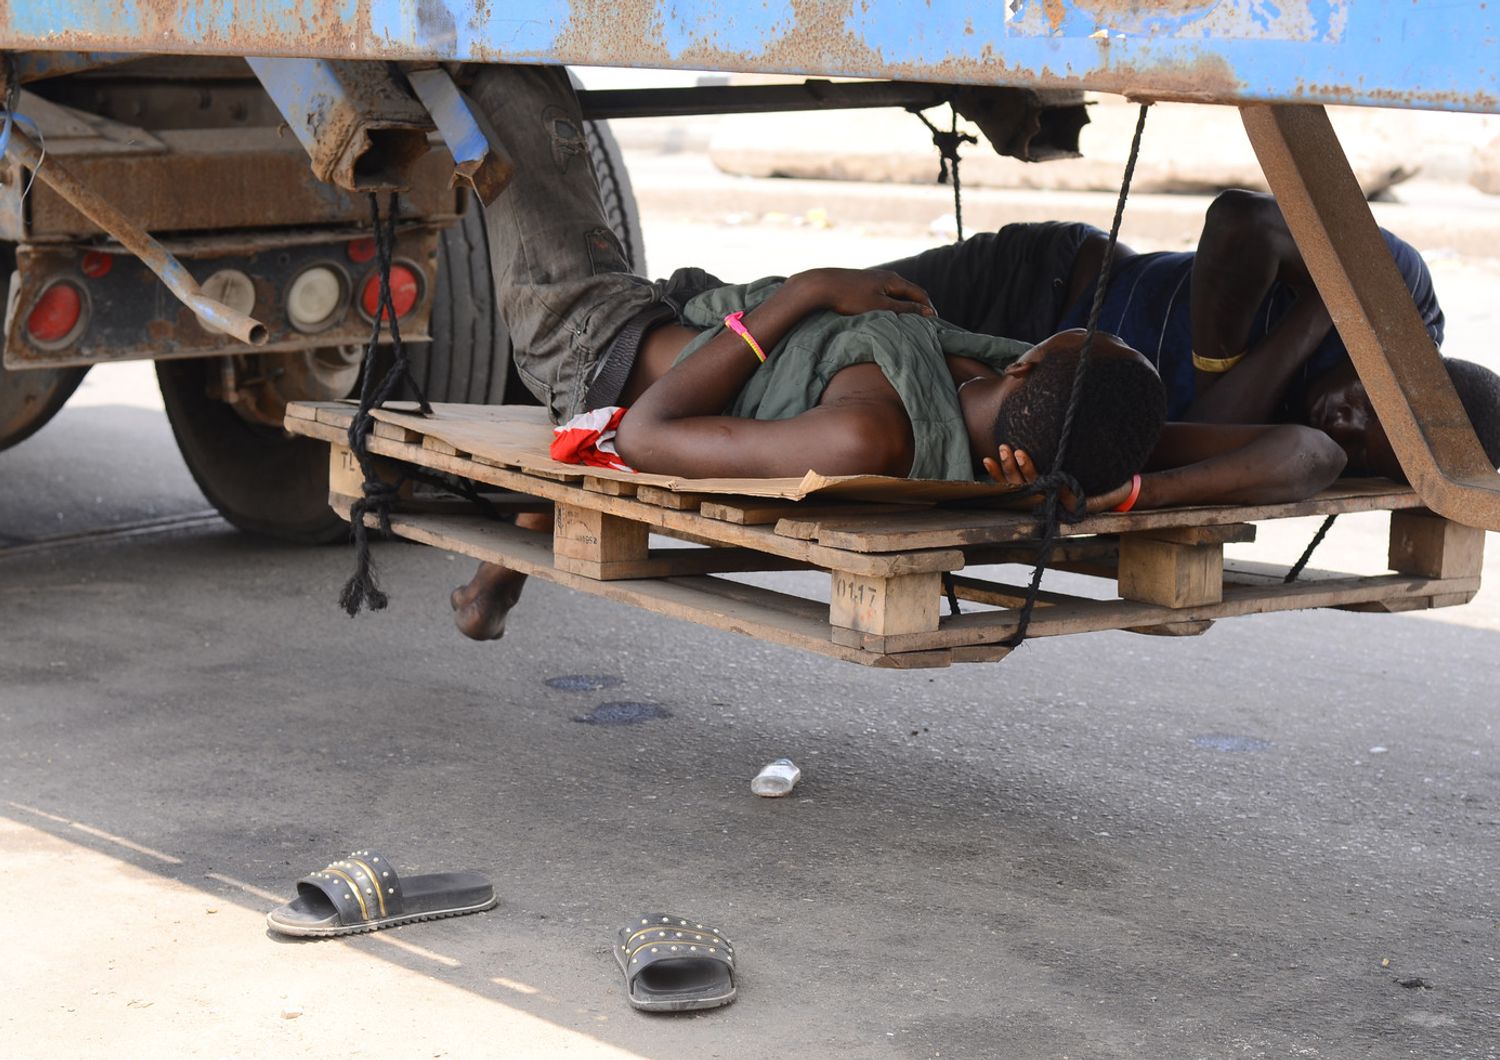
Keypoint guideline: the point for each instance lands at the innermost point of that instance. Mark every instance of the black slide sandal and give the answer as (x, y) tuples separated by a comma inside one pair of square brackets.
[(674, 965), (363, 893)]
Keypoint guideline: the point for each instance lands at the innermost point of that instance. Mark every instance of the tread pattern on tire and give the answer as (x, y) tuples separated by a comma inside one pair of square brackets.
[(455, 366), (616, 193)]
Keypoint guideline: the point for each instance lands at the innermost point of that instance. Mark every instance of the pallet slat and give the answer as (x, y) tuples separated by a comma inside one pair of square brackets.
[(949, 528), (748, 511)]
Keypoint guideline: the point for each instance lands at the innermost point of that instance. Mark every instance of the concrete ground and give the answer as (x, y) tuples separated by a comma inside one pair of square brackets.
[(1279, 839)]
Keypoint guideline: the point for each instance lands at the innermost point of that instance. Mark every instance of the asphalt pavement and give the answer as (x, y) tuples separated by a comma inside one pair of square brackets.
[(1278, 839)]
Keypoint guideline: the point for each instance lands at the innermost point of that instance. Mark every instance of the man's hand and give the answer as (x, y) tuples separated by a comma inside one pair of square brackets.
[(854, 291), (1014, 468)]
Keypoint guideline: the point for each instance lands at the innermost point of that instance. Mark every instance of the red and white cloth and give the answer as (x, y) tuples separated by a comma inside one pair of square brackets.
[(589, 438)]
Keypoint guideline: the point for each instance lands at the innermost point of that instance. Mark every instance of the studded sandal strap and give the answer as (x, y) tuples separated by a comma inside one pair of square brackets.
[(362, 887), (657, 937)]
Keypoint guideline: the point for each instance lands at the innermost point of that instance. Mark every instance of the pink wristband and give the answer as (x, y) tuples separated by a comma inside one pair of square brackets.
[(735, 323), (1135, 493)]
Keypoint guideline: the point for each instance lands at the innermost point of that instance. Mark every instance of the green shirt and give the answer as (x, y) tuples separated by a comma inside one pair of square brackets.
[(908, 347)]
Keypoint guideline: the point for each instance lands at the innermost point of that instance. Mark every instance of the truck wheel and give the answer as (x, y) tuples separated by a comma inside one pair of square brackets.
[(260, 478), (28, 399), (469, 357), (267, 482)]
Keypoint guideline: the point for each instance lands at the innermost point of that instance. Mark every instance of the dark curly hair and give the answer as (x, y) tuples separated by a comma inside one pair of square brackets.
[(1120, 415), (1479, 389)]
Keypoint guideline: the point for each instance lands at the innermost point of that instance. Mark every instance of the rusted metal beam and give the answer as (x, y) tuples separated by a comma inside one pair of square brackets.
[(477, 162), (205, 180), (611, 104), (1030, 124), (1372, 308), (37, 66), (138, 241), (361, 126)]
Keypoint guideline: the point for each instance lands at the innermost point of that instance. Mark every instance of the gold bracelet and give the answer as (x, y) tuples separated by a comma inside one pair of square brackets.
[(1216, 365)]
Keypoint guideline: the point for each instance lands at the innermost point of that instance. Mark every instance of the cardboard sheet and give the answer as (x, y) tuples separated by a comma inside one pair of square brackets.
[(520, 435)]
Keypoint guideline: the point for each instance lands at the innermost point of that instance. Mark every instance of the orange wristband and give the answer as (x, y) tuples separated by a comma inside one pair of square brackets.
[(735, 323), (1135, 494)]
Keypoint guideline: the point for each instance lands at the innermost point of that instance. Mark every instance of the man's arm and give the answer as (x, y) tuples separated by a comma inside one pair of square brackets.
[(1213, 463), (677, 427), (1244, 249)]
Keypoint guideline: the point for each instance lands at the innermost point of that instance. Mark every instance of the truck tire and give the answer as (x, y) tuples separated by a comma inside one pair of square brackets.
[(469, 358), (261, 479), (267, 482), (28, 399)]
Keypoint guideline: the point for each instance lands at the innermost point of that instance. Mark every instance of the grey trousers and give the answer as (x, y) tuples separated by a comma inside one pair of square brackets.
[(562, 280)]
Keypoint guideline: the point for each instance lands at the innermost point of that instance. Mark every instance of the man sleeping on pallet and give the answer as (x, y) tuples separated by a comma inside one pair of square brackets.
[(1236, 329), (838, 371)]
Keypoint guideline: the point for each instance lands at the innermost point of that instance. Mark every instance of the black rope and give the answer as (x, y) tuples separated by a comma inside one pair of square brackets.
[(378, 496), (952, 591), (1307, 552), (948, 144), (1052, 484)]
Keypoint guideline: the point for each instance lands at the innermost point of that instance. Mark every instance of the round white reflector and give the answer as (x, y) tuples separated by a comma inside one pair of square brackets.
[(313, 298)]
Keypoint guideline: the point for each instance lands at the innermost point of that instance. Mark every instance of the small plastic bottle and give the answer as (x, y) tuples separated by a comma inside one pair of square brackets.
[(776, 779)]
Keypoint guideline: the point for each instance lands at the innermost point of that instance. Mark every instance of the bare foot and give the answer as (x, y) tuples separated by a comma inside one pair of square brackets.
[(481, 607)]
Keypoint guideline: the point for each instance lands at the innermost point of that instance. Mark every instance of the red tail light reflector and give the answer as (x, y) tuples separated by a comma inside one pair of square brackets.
[(405, 289), (96, 264), (360, 250), (55, 317)]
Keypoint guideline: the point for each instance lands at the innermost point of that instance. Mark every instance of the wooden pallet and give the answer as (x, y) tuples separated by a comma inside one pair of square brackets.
[(886, 562)]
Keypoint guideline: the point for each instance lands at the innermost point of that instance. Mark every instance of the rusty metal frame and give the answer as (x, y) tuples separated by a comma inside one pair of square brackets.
[(1372, 52), (1372, 308), (477, 162), (361, 125), (810, 94), (138, 241)]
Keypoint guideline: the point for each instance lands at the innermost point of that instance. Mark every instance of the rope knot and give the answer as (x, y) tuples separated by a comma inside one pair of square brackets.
[(380, 497), (362, 589), (1054, 485), (948, 144)]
